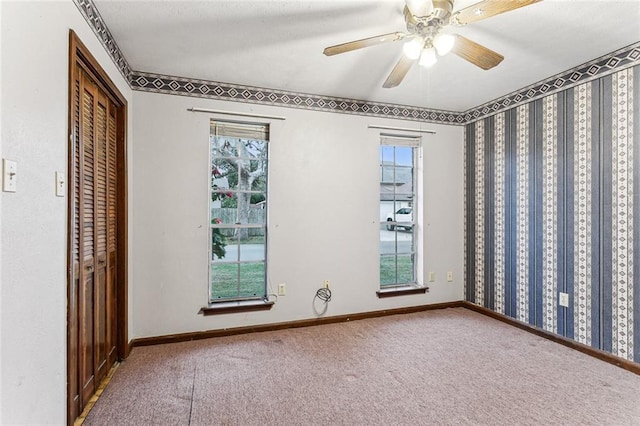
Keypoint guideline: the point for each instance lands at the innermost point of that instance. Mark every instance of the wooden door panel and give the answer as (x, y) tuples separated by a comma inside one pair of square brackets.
[(100, 218), (87, 376), (72, 353), (111, 311), (100, 316), (111, 235)]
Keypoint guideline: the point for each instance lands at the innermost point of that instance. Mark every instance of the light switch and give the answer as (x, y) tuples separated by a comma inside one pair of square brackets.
[(60, 184), (9, 175)]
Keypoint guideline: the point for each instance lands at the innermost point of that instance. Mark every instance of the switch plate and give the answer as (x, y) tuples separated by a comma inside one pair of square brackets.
[(327, 284), (9, 175), (282, 289), (432, 276), (564, 299), (60, 184), (449, 276)]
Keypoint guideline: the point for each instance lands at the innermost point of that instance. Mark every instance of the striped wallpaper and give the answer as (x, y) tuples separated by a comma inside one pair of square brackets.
[(553, 205)]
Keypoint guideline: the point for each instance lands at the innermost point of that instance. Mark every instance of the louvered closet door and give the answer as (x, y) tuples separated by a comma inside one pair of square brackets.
[(94, 239)]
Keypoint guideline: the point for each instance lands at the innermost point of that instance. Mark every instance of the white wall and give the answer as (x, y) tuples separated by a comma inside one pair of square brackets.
[(34, 87), (323, 214), (320, 163)]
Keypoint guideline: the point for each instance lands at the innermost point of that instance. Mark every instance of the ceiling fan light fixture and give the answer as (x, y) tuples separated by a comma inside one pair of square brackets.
[(444, 43), (413, 48), (428, 57)]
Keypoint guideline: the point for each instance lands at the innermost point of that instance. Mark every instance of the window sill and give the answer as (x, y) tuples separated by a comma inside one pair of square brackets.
[(401, 291), (220, 308)]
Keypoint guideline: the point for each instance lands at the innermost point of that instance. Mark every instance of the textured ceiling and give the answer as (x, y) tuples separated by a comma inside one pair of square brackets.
[(278, 44)]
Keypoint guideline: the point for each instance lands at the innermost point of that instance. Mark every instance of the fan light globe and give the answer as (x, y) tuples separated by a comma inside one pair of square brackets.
[(444, 43), (428, 57), (413, 48), (420, 7)]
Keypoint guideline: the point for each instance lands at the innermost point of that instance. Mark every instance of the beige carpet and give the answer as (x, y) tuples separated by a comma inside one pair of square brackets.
[(451, 366)]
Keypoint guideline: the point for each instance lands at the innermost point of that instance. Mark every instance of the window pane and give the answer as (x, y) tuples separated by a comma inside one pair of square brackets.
[(250, 174), (387, 239), (219, 245), (254, 247), (253, 149), (402, 214), (404, 156), (252, 279), (222, 146), (397, 240), (396, 270), (386, 154), (387, 270), (405, 270), (405, 241), (224, 280), (404, 182), (257, 214), (223, 216)]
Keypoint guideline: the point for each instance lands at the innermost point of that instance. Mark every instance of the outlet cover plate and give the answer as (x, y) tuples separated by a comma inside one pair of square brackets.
[(9, 176), (564, 299)]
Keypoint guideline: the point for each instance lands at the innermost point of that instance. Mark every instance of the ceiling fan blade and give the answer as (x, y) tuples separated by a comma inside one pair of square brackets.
[(486, 9), (399, 72), (365, 42), (475, 53)]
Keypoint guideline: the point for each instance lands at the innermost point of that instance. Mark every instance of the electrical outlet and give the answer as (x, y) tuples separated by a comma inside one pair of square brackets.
[(327, 284), (432, 276), (564, 299), (449, 276), (282, 289)]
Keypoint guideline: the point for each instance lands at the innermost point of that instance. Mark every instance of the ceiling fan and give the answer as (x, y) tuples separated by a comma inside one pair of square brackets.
[(425, 40)]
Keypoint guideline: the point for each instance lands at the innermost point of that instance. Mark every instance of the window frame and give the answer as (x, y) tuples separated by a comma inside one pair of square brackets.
[(415, 144), (227, 304)]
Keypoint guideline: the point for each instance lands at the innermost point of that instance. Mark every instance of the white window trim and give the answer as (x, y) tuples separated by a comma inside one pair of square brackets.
[(415, 142), (242, 301)]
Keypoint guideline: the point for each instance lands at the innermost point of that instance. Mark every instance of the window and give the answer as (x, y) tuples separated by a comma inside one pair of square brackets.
[(398, 203), (238, 207)]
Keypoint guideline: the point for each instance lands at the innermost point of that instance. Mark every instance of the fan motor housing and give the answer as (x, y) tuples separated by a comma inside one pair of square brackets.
[(428, 26)]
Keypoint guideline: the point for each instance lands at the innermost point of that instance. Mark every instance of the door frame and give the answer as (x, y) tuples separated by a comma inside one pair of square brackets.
[(80, 55)]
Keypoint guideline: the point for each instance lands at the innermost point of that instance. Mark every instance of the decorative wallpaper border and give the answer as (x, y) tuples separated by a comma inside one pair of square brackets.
[(158, 83), (88, 9), (171, 85), (600, 67)]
